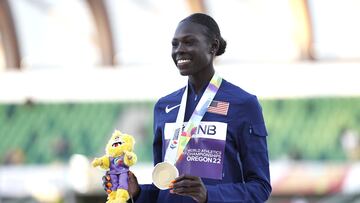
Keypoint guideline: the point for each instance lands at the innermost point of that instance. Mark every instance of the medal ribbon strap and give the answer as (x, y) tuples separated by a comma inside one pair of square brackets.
[(178, 143)]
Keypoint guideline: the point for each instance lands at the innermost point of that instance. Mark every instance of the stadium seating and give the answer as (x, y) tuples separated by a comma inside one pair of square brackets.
[(307, 129), (47, 132), (310, 129)]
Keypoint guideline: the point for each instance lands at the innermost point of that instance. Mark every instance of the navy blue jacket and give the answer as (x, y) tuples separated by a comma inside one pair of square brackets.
[(246, 175)]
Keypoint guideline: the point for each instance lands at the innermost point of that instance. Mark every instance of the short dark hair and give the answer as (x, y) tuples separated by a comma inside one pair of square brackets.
[(212, 26)]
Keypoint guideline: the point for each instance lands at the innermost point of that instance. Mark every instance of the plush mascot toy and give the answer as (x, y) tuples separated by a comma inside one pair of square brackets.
[(119, 157)]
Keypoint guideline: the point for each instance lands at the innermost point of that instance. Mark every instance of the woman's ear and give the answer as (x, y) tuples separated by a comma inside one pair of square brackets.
[(214, 46)]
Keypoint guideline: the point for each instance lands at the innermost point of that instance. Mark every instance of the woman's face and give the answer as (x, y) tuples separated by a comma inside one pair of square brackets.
[(191, 49)]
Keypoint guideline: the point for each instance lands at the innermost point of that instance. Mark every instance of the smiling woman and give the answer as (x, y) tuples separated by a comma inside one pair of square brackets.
[(234, 144), (194, 47)]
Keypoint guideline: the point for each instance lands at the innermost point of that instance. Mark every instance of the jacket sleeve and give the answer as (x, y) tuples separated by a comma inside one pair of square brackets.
[(148, 193), (253, 157)]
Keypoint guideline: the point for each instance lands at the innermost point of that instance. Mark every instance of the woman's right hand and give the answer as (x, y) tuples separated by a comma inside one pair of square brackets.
[(134, 188)]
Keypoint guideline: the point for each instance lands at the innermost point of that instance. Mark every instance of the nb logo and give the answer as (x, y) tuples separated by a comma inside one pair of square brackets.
[(206, 130)]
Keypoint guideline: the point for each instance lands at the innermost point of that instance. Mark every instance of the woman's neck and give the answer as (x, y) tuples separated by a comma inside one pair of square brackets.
[(201, 79)]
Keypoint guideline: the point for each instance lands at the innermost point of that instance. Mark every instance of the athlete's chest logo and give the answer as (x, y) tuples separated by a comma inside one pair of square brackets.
[(168, 108)]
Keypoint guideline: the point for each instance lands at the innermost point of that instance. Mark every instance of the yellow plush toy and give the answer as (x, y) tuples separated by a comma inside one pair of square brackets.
[(119, 157)]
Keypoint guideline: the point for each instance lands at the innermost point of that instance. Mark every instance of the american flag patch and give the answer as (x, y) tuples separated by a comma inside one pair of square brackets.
[(219, 107)]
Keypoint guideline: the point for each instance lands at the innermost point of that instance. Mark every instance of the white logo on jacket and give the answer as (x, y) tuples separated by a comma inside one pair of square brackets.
[(168, 109)]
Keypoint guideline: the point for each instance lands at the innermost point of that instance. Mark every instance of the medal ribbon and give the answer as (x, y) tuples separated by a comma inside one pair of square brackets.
[(178, 143)]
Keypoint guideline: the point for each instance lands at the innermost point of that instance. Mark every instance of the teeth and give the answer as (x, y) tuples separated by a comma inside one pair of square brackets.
[(181, 61)]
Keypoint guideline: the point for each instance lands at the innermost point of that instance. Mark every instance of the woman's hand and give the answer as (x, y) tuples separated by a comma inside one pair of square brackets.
[(191, 186), (134, 188)]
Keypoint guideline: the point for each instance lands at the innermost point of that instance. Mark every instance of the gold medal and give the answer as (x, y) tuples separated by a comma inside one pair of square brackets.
[(163, 174)]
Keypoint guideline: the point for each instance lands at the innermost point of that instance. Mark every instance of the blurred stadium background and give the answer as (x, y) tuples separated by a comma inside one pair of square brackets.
[(72, 71)]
